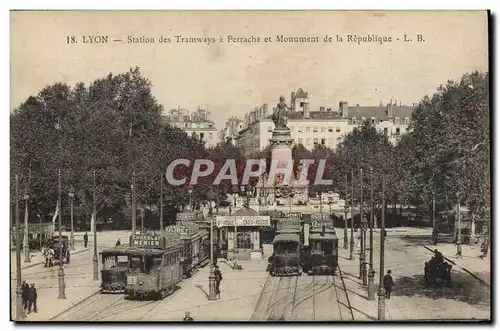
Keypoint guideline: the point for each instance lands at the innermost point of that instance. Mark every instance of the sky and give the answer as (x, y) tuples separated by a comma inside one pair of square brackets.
[(232, 78)]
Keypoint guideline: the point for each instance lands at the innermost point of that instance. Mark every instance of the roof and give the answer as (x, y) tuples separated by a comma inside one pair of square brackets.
[(288, 230), (379, 112), (282, 237), (300, 94), (245, 211), (327, 236), (127, 250), (315, 115), (317, 229)]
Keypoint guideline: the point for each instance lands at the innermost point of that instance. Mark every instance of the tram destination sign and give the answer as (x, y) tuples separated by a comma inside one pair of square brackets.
[(189, 216), (146, 241), (288, 223), (177, 229)]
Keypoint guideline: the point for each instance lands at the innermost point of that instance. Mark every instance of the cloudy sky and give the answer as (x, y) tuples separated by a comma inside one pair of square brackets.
[(232, 78)]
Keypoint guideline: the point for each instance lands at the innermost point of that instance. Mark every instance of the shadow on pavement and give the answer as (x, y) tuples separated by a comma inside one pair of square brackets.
[(464, 288)]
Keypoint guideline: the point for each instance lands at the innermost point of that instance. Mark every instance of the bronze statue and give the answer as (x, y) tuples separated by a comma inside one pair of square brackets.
[(279, 116)]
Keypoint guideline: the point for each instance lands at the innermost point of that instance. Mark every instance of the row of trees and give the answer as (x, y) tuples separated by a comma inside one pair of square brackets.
[(113, 128)]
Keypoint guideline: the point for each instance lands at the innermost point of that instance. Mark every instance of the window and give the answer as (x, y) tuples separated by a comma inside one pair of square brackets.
[(323, 141), (354, 119), (396, 120), (363, 119), (398, 131), (202, 135), (322, 129), (315, 129), (301, 141), (386, 132), (210, 136), (269, 129), (244, 240), (308, 129), (337, 129), (373, 120), (407, 120), (302, 104), (185, 125), (316, 140), (330, 129), (301, 129)]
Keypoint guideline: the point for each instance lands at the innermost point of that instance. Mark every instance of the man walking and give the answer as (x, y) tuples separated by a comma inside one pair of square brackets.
[(118, 242), (218, 278), (32, 296), (388, 283), (85, 239), (25, 287), (188, 318)]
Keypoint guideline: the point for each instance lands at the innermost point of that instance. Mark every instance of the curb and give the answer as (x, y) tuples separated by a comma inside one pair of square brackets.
[(42, 262), (464, 269), (76, 304)]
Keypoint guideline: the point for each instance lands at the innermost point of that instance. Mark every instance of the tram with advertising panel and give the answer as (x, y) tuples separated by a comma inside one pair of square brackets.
[(194, 251), (286, 259), (321, 251), (154, 268), (114, 267)]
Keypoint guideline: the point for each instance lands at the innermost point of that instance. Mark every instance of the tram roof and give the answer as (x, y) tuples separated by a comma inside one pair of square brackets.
[(282, 237), (130, 250), (326, 236)]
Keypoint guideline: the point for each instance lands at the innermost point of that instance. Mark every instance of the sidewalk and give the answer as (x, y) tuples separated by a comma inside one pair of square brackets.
[(470, 261), (240, 291), (37, 258)]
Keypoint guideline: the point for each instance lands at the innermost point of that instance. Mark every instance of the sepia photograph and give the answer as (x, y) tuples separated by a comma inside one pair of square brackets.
[(250, 166)]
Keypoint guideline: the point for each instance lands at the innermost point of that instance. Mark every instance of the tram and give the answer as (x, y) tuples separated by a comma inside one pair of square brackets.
[(322, 253), (285, 260), (114, 267), (154, 265)]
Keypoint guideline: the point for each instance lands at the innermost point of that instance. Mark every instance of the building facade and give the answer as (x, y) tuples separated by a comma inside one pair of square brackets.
[(196, 124), (324, 126), (230, 131)]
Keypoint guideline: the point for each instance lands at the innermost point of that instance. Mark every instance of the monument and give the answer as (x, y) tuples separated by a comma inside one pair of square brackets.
[(295, 190)]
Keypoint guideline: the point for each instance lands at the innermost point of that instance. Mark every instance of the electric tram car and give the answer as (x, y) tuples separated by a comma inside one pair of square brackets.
[(114, 267), (154, 268), (322, 252), (194, 249), (286, 257)]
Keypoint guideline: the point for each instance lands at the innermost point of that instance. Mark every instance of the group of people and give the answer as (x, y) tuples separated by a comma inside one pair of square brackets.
[(48, 254), (29, 297)]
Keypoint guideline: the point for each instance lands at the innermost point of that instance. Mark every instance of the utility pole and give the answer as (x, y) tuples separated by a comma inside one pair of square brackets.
[(71, 195), (134, 207), (434, 229), (351, 244), (371, 273), (459, 235), (346, 239), (362, 255), (26, 245), (60, 272), (212, 295), (19, 291), (95, 260), (381, 289), (161, 203)]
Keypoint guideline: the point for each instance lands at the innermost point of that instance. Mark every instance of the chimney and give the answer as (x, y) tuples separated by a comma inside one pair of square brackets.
[(323, 230), (306, 109), (344, 109), (321, 108), (307, 95), (389, 110), (292, 101)]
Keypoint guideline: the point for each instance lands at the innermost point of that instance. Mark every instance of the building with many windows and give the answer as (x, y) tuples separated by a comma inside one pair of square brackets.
[(230, 131), (324, 126), (195, 123)]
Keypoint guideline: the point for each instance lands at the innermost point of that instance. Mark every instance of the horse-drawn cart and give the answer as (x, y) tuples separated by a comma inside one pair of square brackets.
[(437, 271)]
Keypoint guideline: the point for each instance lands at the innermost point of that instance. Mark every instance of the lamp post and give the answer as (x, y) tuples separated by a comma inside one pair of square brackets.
[(19, 291), (362, 255), (71, 195), (459, 234), (161, 203), (351, 244), (94, 216), (236, 190), (60, 272), (381, 290), (371, 272), (211, 277), (434, 229), (330, 211), (26, 246), (346, 239), (134, 207)]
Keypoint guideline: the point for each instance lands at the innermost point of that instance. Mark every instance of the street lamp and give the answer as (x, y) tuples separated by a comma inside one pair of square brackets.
[(211, 277), (381, 289), (346, 239), (19, 291), (72, 236), (26, 247), (362, 256), (330, 206), (371, 272), (459, 234), (351, 244)]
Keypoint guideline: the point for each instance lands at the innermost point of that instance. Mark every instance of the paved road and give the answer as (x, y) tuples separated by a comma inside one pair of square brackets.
[(303, 298)]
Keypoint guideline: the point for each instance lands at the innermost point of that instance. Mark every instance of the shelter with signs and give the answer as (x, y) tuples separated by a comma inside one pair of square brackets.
[(243, 233)]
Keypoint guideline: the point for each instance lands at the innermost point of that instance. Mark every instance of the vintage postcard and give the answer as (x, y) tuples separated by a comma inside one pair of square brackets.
[(254, 166)]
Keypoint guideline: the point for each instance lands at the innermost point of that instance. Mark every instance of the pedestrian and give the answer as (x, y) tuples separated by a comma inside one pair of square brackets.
[(388, 283), (484, 250), (32, 296), (118, 243), (218, 279), (85, 239), (188, 318), (25, 287)]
